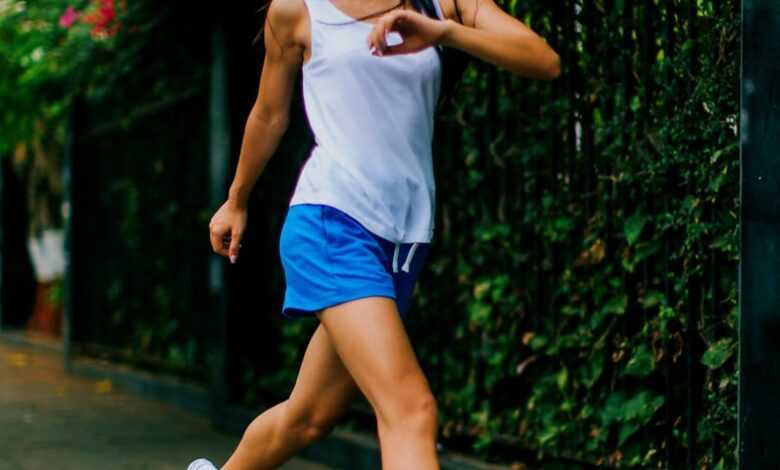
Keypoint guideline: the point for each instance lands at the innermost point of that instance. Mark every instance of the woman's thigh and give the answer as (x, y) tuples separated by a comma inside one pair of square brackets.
[(371, 341), (324, 388)]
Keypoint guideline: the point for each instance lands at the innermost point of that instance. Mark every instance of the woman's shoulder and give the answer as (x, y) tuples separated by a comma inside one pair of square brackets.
[(286, 10), (287, 18), (461, 11)]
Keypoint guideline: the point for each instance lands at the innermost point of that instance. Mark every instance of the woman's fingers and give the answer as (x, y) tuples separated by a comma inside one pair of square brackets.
[(235, 244), (377, 38), (225, 241), (403, 32), (217, 236), (399, 49)]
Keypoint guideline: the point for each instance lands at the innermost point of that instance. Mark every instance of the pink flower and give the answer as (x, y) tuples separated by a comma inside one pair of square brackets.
[(69, 17), (103, 18)]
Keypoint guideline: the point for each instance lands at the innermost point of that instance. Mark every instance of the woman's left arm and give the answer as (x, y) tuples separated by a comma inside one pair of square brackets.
[(503, 40), (491, 35)]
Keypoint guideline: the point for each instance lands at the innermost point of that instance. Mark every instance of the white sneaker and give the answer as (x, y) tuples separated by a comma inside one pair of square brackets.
[(202, 464)]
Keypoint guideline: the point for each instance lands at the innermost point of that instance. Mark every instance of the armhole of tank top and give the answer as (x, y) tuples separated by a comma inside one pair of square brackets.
[(311, 11), (437, 6)]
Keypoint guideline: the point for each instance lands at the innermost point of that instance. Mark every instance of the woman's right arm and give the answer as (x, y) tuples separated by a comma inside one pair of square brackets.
[(267, 121)]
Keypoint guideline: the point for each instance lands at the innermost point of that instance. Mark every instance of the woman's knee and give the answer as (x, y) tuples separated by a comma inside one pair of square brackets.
[(424, 413), (308, 425), (413, 412)]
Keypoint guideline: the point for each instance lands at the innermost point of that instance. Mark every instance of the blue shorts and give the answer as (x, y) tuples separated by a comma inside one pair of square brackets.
[(330, 258)]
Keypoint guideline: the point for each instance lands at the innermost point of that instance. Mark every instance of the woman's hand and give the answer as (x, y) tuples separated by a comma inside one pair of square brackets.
[(417, 31), (226, 229)]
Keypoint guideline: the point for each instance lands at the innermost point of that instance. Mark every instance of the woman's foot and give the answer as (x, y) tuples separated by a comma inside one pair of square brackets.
[(202, 464)]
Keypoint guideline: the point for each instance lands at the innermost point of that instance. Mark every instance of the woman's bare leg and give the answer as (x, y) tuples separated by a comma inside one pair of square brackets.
[(322, 394), (372, 343)]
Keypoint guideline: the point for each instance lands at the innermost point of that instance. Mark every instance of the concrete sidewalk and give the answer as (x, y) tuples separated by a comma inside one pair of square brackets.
[(50, 420)]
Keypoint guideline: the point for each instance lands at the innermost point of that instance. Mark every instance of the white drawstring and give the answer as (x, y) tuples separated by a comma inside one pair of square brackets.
[(409, 256), (405, 267)]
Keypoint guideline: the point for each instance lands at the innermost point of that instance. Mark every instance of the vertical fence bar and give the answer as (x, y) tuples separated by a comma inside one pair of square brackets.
[(692, 388), (668, 45), (71, 134), (2, 227), (609, 106), (713, 279), (489, 130), (620, 193), (588, 133), (694, 287), (219, 157), (648, 111), (554, 130), (556, 181), (759, 325), (573, 75)]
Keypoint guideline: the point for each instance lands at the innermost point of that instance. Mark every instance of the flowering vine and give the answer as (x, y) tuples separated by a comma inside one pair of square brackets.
[(101, 16)]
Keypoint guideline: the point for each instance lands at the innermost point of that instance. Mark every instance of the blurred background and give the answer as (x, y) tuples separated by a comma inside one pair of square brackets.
[(580, 302)]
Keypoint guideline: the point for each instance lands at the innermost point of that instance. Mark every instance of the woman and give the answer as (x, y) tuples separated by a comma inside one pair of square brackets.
[(361, 216)]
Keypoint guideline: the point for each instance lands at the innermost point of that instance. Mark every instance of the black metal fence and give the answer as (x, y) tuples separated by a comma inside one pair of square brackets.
[(585, 179), (148, 168)]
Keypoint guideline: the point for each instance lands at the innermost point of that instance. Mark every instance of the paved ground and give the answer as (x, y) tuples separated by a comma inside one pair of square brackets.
[(49, 420)]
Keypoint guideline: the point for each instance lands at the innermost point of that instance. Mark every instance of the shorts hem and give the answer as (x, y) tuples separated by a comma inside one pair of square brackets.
[(291, 311)]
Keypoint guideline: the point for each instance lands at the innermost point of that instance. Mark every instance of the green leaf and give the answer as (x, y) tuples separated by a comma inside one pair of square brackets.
[(633, 227), (643, 250), (479, 312), (643, 406), (613, 410), (480, 288), (716, 183), (562, 378), (653, 298), (538, 342), (563, 224), (641, 363), (640, 408), (718, 353), (635, 105), (548, 434), (626, 431), (592, 371), (615, 305)]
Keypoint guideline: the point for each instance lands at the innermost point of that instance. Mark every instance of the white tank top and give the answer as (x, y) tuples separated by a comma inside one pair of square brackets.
[(372, 119)]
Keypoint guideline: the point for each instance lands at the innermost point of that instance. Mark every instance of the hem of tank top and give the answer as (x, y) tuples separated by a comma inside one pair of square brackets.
[(383, 231)]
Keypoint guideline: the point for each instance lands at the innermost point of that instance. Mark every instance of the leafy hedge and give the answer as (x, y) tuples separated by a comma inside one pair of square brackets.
[(591, 266)]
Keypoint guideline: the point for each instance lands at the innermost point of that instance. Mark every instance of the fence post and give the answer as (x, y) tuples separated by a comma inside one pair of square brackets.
[(2, 227), (759, 330), (219, 158), (67, 222)]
